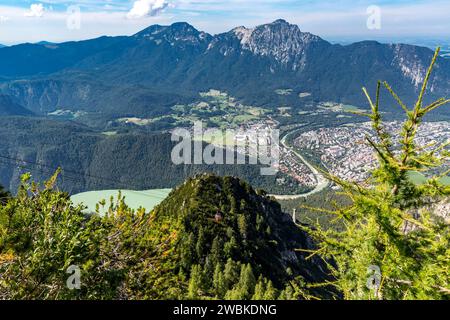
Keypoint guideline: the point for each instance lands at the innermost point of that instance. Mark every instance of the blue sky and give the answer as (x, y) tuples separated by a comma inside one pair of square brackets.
[(32, 21)]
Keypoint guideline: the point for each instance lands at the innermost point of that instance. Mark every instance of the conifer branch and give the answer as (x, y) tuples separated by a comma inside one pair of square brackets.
[(396, 97)]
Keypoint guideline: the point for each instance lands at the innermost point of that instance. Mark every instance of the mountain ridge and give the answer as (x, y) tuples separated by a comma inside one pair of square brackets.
[(247, 62)]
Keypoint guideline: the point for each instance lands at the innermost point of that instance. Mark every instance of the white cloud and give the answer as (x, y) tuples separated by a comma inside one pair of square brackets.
[(36, 11), (144, 8)]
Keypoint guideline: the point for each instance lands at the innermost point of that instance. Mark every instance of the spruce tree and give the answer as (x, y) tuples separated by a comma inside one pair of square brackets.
[(242, 225), (208, 273), (216, 251), (188, 252), (230, 274), (260, 288), (247, 282), (271, 292), (219, 282), (195, 282), (200, 246)]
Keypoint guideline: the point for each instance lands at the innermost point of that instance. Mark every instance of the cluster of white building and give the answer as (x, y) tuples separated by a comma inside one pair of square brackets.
[(346, 153), (291, 165)]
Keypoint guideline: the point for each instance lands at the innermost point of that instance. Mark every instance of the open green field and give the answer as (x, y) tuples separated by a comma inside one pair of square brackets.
[(134, 199), (338, 107)]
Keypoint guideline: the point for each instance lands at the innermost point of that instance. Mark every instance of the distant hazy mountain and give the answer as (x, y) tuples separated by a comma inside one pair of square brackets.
[(45, 43), (139, 72), (34, 59)]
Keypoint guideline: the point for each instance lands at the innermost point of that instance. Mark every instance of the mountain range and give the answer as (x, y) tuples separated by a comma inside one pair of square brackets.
[(145, 74)]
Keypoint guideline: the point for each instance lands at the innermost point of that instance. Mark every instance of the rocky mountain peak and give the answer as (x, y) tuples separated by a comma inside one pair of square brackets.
[(177, 32), (243, 34), (280, 40), (151, 30), (280, 21)]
